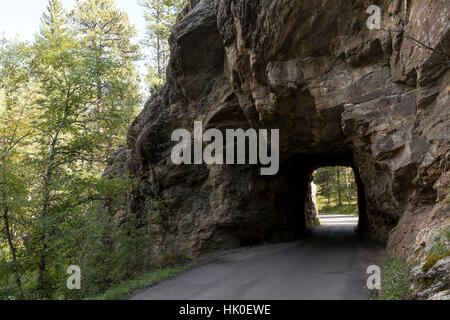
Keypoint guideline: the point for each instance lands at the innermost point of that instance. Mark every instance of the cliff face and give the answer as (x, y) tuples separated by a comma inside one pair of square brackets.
[(341, 94)]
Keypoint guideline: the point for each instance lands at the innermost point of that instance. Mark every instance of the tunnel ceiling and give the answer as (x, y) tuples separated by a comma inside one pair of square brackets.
[(340, 94)]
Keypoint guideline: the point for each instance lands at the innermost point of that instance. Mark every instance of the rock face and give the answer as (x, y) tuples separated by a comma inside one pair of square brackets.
[(341, 94), (437, 281)]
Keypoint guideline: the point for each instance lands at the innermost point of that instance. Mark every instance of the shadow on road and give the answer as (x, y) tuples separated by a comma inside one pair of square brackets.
[(331, 264)]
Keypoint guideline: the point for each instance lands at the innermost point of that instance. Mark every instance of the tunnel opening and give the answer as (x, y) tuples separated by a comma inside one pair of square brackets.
[(296, 207), (335, 194)]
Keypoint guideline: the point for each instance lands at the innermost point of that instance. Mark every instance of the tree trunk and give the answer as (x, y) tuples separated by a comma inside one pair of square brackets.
[(338, 176), (45, 203), (13, 254), (347, 187), (43, 238), (12, 249)]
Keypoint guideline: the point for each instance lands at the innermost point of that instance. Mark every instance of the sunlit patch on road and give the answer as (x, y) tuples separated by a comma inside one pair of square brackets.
[(337, 220)]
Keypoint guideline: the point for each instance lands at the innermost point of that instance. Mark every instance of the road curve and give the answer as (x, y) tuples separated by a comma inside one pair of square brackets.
[(330, 265)]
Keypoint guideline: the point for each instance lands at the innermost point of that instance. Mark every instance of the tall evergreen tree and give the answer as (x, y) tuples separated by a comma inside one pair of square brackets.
[(160, 16), (53, 21), (323, 178), (107, 38)]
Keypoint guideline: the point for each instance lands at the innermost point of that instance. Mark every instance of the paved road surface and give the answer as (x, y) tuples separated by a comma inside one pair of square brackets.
[(330, 264)]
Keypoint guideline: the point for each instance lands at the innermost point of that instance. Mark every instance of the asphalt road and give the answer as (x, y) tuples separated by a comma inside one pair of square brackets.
[(331, 264)]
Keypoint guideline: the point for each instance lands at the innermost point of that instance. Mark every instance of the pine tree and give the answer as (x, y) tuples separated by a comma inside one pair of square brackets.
[(53, 21), (106, 36), (323, 178), (160, 16)]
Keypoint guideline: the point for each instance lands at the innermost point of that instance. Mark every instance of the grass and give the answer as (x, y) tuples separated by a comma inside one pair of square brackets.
[(351, 209), (440, 242), (335, 208), (395, 282), (125, 288)]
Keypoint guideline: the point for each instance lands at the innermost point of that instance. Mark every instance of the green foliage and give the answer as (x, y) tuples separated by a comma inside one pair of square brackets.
[(153, 80), (106, 37), (16, 103), (54, 20), (111, 248), (395, 281), (441, 242), (160, 16), (65, 145), (66, 101)]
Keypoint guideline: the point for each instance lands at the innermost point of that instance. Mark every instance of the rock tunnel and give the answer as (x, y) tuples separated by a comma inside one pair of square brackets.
[(340, 94), (299, 202)]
